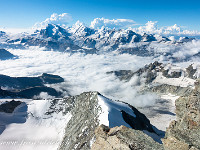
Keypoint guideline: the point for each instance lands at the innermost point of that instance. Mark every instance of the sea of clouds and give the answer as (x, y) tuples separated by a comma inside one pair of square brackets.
[(81, 72), (89, 72)]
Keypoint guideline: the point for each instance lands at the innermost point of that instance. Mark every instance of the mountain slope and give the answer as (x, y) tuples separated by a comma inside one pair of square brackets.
[(92, 109)]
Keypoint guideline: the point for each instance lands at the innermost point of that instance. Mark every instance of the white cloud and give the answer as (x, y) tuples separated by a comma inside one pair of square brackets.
[(43, 95), (114, 23), (151, 27), (88, 72), (81, 72), (60, 19)]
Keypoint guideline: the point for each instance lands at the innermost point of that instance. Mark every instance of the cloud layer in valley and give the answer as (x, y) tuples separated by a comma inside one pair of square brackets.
[(88, 72), (81, 72)]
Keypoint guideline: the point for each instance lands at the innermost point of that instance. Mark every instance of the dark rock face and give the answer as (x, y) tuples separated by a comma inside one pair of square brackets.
[(28, 82), (9, 107), (148, 38), (27, 87), (122, 74), (5, 94), (140, 122), (50, 79), (123, 138), (4, 54), (185, 132)]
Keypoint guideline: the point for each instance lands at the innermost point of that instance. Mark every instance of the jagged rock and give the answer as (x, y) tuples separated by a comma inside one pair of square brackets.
[(184, 134), (85, 118), (119, 138), (174, 74), (157, 72), (149, 72)]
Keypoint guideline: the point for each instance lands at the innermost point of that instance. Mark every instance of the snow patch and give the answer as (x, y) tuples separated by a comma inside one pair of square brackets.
[(162, 120), (181, 81), (111, 112)]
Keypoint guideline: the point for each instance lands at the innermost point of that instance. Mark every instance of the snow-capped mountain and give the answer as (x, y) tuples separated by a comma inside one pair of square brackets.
[(80, 38)]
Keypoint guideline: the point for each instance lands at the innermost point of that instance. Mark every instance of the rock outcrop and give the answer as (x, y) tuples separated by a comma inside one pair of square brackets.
[(123, 138), (184, 133), (86, 115), (150, 72)]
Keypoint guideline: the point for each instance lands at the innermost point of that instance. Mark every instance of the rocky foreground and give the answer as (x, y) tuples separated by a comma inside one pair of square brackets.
[(182, 134)]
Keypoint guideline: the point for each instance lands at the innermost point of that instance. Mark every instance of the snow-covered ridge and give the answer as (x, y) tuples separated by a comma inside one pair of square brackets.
[(63, 120), (111, 112)]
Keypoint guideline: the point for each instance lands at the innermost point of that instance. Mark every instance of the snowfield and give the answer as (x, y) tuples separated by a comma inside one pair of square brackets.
[(28, 127)]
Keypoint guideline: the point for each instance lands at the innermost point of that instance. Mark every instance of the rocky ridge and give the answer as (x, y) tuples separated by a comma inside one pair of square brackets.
[(179, 81), (184, 133), (119, 138), (80, 130)]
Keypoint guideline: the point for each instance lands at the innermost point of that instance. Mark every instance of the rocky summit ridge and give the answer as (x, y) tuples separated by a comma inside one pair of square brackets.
[(86, 112), (182, 134)]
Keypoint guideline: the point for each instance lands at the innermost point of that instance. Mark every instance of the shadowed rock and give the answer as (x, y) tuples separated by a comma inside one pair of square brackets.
[(4, 54), (9, 107)]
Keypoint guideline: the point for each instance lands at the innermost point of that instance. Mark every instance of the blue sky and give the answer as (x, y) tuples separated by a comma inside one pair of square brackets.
[(25, 13)]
